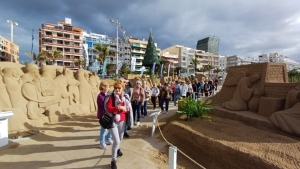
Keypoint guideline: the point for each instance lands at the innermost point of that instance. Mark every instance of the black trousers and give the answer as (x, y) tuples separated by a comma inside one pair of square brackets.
[(153, 100)]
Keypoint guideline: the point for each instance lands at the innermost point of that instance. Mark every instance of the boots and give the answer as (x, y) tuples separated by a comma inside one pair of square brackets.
[(113, 165), (119, 153)]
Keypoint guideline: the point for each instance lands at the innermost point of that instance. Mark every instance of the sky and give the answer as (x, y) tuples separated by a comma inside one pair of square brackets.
[(245, 28)]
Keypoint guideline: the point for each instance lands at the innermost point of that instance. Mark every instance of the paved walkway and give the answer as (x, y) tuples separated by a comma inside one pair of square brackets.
[(74, 144)]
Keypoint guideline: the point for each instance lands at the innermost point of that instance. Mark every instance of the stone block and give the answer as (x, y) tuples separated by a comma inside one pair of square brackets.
[(269, 105)]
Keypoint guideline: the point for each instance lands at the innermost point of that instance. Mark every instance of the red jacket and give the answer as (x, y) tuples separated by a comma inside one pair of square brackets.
[(111, 109)]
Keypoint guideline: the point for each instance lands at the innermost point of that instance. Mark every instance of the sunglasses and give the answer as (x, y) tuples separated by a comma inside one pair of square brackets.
[(118, 88)]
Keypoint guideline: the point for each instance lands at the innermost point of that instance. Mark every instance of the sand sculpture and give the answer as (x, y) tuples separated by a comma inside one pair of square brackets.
[(47, 94), (288, 120), (262, 89), (242, 94)]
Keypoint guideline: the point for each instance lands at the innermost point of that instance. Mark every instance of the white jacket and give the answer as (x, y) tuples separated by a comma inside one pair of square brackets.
[(183, 89)]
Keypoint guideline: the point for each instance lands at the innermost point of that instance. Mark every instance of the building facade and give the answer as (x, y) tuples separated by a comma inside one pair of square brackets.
[(279, 58), (209, 44), (206, 58), (235, 60), (123, 51), (185, 56), (63, 37), (93, 39), (9, 51), (138, 50)]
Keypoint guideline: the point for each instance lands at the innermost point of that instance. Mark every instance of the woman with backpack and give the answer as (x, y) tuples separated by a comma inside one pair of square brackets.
[(119, 105)]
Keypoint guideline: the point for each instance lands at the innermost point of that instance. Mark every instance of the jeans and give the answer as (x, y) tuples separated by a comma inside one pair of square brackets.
[(144, 108), (176, 95), (103, 137), (117, 133), (162, 100), (137, 108)]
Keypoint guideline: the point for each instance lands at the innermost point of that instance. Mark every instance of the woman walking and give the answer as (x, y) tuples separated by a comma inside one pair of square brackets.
[(104, 86), (155, 93), (165, 97), (118, 104), (137, 101)]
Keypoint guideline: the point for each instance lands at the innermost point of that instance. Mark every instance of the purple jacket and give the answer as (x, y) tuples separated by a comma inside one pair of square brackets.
[(100, 103)]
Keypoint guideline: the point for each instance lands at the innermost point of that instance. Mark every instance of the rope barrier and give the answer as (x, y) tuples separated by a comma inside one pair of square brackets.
[(157, 123)]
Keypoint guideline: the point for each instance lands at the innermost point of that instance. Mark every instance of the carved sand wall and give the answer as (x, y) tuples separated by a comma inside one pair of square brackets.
[(272, 96), (45, 95)]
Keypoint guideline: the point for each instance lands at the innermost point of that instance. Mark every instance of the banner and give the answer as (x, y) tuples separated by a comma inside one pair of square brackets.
[(120, 64), (169, 69), (104, 67), (142, 70), (161, 70), (85, 48), (153, 68), (133, 62)]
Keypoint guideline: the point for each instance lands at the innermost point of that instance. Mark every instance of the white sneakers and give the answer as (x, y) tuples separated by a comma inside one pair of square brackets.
[(109, 142), (137, 123), (103, 146)]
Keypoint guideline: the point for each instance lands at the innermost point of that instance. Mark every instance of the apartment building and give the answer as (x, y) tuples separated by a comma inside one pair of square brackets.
[(172, 59), (206, 58), (93, 39), (235, 60), (63, 37), (123, 51), (279, 58), (9, 51), (185, 56), (138, 49)]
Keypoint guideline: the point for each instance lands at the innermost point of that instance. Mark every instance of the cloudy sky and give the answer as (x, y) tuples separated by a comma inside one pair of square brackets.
[(245, 28)]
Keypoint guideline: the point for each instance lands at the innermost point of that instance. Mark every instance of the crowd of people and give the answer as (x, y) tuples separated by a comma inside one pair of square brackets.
[(127, 100)]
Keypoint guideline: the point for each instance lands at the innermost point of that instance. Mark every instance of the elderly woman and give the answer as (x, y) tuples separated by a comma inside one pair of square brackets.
[(119, 105), (137, 101)]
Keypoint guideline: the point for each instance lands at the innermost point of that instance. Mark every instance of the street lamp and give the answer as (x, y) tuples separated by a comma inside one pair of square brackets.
[(12, 34), (121, 27)]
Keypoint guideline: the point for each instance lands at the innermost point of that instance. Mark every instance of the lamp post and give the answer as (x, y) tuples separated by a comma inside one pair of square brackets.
[(121, 27), (12, 34)]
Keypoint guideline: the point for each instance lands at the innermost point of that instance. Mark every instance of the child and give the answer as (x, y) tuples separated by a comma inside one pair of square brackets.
[(104, 86)]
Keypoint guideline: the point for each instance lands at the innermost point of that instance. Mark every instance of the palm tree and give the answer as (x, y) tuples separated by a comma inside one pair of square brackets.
[(43, 57), (294, 75), (217, 71), (103, 52), (202, 70), (163, 62), (79, 62), (177, 70), (56, 54), (208, 68), (195, 62), (123, 68), (32, 55), (109, 68)]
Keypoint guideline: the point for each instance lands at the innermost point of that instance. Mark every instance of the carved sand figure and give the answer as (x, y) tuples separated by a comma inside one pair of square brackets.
[(41, 93), (32, 72), (94, 81), (4, 97), (288, 120), (87, 96), (13, 83), (72, 87), (62, 83), (242, 94), (253, 104)]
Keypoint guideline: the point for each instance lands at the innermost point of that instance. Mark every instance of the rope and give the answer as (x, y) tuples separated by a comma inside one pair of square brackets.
[(174, 146)]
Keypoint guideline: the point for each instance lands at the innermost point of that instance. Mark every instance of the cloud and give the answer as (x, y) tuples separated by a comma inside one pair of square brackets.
[(245, 28)]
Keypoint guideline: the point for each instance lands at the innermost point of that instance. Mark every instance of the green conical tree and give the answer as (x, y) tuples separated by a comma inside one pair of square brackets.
[(151, 55)]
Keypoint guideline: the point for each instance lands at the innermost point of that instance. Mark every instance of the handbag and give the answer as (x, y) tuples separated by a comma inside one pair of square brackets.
[(134, 102), (107, 121)]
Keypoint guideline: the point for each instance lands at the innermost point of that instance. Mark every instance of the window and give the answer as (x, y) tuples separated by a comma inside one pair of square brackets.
[(184, 58)]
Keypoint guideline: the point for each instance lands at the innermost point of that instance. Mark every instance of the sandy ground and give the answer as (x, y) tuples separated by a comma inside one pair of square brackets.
[(231, 144)]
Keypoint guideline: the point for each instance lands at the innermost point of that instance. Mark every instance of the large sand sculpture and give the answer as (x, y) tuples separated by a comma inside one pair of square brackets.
[(262, 89), (45, 95)]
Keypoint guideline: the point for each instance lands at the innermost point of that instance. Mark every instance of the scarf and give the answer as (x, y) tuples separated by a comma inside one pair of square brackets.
[(118, 102)]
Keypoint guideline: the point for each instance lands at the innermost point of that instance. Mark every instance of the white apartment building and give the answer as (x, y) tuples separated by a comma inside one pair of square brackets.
[(279, 58), (237, 60)]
